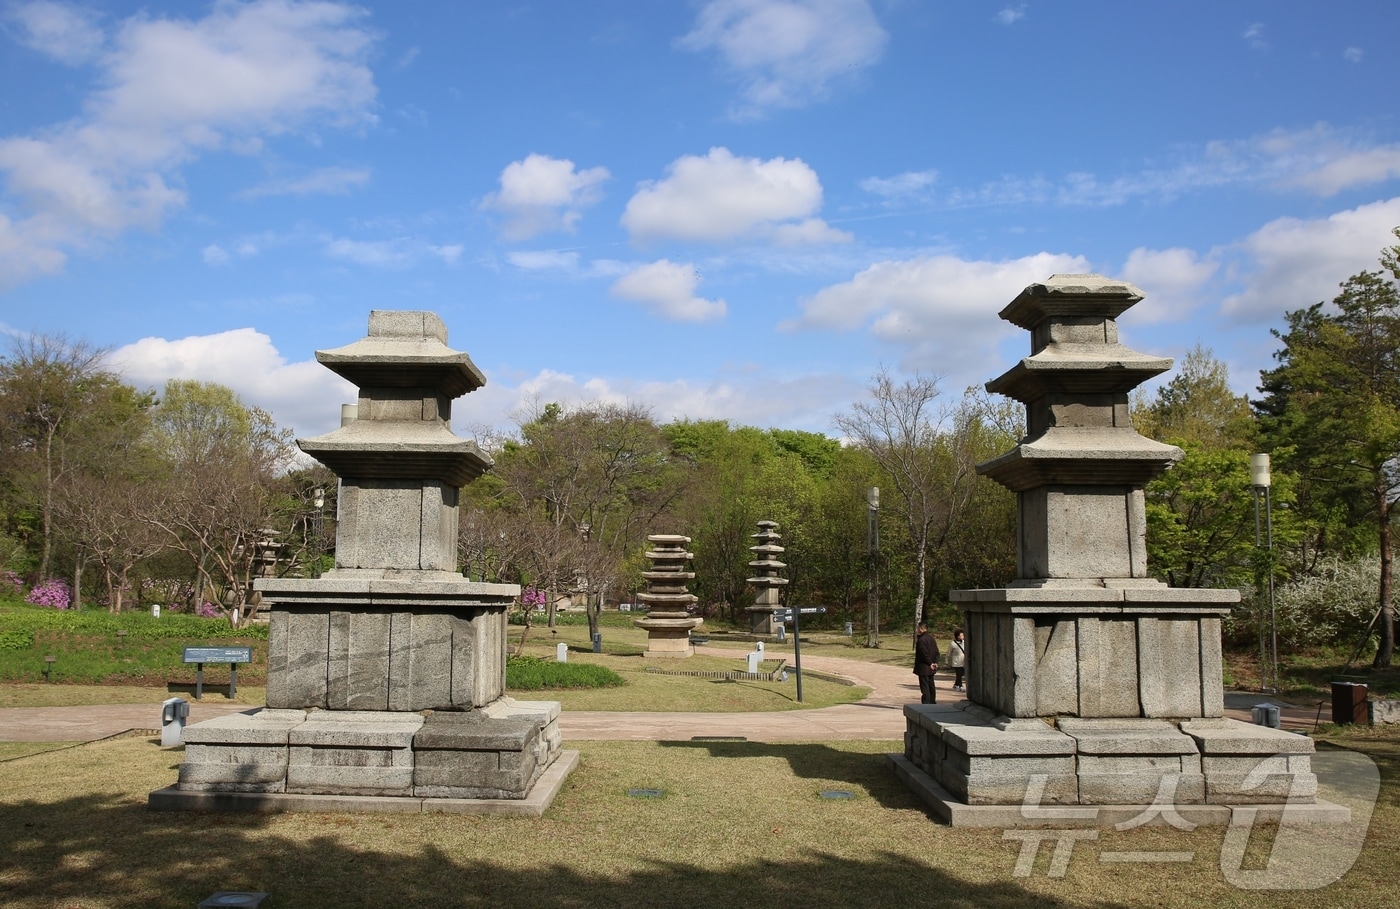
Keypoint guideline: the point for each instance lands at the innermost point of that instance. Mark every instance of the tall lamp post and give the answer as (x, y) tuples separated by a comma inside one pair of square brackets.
[(1261, 481), (318, 501), (872, 545)]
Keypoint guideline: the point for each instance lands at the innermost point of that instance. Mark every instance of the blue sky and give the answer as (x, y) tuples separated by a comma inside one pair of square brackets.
[(737, 209)]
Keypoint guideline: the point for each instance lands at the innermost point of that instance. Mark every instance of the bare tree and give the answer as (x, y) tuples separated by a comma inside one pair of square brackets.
[(926, 452)]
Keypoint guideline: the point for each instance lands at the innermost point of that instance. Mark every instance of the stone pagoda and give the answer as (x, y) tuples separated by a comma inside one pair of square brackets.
[(668, 621), (1086, 677), (768, 578), (386, 676)]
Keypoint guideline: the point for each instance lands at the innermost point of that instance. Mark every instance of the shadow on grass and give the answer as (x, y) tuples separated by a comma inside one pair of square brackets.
[(823, 763), (93, 850)]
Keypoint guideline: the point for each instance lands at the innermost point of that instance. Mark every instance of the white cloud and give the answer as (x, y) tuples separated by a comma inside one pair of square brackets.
[(668, 289), (67, 33), (1294, 263), (1353, 55), (744, 395), (786, 53), (1373, 165), (1320, 160), (302, 396), (1170, 280), (540, 193), (939, 310), (1254, 37), (376, 253), (172, 89), (22, 259), (325, 181), (449, 254), (214, 254), (1011, 14), (720, 197), (915, 185), (566, 260)]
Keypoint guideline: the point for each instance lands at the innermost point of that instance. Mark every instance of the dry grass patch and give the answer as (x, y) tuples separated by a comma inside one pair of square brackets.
[(24, 694), (738, 825)]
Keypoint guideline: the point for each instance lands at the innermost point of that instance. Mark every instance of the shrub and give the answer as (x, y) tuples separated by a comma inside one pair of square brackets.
[(1333, 605), (534, 674), (11, 585), (53, 593)]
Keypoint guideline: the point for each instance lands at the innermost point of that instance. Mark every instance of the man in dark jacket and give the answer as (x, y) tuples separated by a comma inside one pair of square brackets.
[(926, 658)]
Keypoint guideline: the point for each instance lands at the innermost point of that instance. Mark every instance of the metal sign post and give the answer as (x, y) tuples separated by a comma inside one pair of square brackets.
[(794, 616)]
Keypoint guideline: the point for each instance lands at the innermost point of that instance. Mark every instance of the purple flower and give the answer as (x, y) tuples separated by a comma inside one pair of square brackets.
[(54, 593)]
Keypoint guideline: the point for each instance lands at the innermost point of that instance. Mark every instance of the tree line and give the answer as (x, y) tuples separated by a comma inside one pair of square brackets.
[(187, 495)]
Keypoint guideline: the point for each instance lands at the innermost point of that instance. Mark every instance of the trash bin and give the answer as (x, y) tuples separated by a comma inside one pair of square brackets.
[(598, 642), (1349, 703), (1266, 715), (173, 714)]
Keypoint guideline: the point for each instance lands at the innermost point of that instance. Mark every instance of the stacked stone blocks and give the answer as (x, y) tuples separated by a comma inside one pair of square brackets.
[(1089, 682)]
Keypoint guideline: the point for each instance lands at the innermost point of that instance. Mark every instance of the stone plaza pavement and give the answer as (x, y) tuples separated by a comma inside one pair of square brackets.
[(879, 716)]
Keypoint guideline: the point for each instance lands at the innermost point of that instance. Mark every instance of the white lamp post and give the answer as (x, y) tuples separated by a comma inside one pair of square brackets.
[(1262, 481), (872, 544)]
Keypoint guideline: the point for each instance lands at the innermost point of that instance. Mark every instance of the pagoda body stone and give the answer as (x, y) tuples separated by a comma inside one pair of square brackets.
[(1084, 674), (768, 579), (668, 621), (386, 675)]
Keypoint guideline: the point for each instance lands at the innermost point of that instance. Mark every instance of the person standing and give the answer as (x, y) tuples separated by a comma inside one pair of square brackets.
[(926, 657), (957, 658)]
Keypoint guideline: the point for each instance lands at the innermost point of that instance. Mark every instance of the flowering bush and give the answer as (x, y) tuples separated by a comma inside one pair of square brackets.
[(532, 598), (11, 583), (54, 593), (207, 610)]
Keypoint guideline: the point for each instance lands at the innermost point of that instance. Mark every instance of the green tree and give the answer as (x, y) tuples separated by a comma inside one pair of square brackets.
[(1333, 402), (1200, 514), (59, 409), (222, 495)]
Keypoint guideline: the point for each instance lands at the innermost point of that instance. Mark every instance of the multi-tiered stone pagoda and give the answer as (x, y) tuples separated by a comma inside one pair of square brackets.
[(767, 578), (1089, 682), (668, 621), (386, 676)]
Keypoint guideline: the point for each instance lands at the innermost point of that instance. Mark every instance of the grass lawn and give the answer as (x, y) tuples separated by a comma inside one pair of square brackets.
[(737, 825)]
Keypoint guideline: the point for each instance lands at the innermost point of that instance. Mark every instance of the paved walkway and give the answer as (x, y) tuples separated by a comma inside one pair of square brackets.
[(879, 716)]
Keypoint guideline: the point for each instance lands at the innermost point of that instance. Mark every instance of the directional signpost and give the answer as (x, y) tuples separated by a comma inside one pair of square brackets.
[(794, 615)]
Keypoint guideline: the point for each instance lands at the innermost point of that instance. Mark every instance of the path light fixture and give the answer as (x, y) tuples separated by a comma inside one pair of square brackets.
[(872, 545), (1261, 481), (48, 667)]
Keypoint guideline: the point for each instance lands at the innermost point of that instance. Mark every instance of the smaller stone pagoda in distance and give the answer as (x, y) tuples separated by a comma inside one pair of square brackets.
[(668, 621), (768, 578)]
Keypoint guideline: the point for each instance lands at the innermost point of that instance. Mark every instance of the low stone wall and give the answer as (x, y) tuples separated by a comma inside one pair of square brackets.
[(981, 758), (494, 753), (1383, 712)]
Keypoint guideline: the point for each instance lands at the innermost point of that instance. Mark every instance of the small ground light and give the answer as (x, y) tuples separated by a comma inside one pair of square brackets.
[(48, 666), (646, 793), (837, 794), (233, 898)]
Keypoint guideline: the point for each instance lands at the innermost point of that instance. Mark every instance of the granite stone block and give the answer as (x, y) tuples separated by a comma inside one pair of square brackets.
[(306, 654), (353, 753), (357, 672), (430, 662), (1057, 668), (1169, 667), (239, 753)]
